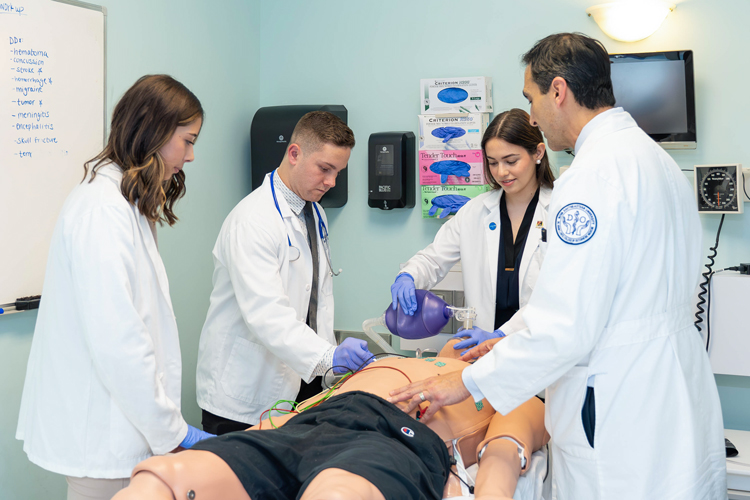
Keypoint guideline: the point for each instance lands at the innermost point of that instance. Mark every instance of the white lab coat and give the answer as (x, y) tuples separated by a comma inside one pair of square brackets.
[(102, 388), (255, 347), (614, 313), (469, 238)]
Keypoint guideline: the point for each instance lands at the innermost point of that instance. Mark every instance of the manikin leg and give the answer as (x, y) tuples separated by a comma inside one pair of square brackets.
[(175, 476), (337, 484), (208, 477)]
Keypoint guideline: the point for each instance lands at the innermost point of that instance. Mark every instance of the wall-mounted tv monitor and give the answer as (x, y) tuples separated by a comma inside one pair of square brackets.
[(658, 90)]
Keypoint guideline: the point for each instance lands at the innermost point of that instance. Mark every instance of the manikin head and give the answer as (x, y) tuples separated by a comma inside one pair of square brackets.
[(318, 150), (567, 82)]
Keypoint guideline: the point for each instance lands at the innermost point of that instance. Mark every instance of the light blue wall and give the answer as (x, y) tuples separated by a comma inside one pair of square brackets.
[(370, 56), (213, 48), (239, 54)]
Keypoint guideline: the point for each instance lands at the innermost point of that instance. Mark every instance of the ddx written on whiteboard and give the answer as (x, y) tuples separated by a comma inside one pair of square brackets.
[(30, 57), (25, 85)]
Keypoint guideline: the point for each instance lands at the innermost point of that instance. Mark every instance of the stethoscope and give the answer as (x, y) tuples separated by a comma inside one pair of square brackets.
[(295, 253)]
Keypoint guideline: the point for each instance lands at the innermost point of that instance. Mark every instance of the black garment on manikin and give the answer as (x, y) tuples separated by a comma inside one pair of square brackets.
[(357, 432), (509, 257)]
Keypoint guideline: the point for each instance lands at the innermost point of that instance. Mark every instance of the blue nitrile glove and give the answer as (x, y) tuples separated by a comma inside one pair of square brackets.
[(352, 354), (452, 95), (450, 203), (448, 133), (403, 292), (476, 337), (450, 167), (194, 435)]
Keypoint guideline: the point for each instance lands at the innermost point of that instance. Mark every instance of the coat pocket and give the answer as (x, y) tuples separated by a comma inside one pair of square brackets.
[(252, 374), (588, 415), (565, 399)]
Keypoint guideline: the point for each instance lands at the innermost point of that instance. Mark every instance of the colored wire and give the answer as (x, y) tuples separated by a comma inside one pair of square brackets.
[(366, 362), (280, 410), (330, 390), (382, 367)]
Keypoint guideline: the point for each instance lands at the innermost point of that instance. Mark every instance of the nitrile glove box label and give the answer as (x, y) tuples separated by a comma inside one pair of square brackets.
[(442, 201), (451, 167), (471, 94), (452, 131)]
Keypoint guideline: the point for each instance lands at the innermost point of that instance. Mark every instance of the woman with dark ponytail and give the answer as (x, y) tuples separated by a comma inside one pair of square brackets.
[(498, 237)]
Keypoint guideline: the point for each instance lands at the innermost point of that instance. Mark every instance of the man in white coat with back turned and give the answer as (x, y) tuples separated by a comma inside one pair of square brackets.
[(268, 334), (632, 407)]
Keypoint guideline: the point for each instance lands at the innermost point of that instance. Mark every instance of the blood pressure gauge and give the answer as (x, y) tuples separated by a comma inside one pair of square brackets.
[(718, 189)]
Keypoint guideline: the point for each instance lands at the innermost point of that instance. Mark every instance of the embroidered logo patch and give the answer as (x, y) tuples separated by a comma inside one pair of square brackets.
[(575, 223), (479, 405), (407, 432)]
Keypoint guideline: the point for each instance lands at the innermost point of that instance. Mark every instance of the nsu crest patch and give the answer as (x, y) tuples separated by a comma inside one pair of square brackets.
[(575, 223)]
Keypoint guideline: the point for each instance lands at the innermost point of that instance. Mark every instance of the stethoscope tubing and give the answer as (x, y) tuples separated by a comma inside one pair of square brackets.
[(322, 230)]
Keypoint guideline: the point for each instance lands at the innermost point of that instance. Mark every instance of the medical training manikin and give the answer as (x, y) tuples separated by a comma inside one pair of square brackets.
[(202, 474)]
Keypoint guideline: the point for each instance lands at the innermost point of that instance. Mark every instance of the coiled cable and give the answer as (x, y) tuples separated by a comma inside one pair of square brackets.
[(705, 287)]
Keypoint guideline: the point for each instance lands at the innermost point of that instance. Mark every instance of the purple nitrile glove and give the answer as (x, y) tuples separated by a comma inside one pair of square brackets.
[(194, 435), (403, 292), (476, 337), (351, 354)]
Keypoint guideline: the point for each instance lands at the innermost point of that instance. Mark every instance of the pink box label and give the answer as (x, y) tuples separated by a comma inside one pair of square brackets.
[(461, 167)]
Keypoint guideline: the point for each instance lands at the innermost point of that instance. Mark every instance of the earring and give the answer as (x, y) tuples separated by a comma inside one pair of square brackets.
[(538, 162)]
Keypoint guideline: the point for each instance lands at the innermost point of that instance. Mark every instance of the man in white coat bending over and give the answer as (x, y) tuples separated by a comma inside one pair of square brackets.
[(632, 407), (268, 334)]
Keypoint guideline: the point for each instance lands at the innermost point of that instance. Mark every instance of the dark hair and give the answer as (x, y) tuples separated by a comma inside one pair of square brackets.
[(317, 128), (513, 127), (143, 121), (580, 60)]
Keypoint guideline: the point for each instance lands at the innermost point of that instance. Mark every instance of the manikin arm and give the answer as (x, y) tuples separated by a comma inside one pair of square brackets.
[(500, 465)]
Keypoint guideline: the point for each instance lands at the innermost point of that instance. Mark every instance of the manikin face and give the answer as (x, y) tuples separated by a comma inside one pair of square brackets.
[(312, 174), (179, 149), (543, 112), (512, 166)]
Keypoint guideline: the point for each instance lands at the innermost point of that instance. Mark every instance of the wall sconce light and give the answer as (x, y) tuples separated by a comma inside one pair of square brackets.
[(630, 21)]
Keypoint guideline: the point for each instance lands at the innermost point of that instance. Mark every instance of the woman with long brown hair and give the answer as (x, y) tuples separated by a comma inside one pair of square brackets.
[(498, 237), (103, 383)]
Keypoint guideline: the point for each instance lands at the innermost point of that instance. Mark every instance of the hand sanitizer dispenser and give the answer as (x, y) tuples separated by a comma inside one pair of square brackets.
[(391, 159)]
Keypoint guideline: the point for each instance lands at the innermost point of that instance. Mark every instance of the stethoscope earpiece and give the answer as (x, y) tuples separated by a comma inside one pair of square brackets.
[(293, 252)]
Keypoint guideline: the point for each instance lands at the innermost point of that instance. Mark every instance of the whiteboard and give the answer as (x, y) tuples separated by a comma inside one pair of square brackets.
[(53, 112)]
